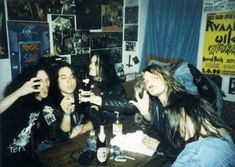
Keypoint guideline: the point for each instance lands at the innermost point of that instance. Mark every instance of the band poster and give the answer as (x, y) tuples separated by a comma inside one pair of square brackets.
[(219, 44), (28, 41)]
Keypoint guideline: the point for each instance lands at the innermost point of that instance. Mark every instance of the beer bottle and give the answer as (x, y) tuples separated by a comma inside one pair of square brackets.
[(102, 150)]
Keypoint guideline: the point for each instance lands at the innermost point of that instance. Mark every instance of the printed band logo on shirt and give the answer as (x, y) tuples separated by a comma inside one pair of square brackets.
[(23, 138), (48, 114)]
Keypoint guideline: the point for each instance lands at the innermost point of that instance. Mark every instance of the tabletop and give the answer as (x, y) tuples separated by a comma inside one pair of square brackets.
[(60, 155)]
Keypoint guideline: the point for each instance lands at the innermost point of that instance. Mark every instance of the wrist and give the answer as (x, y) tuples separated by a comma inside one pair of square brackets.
[(67, 114)]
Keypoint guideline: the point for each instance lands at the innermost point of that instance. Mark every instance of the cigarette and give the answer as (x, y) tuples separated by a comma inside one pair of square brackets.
[(128, 157), (120, 159)]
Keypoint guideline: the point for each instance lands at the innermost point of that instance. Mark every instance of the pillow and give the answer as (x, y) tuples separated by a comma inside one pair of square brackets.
[(151, 59)]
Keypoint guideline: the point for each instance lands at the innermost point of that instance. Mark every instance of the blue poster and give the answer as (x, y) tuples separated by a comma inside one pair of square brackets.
[(28, 41)]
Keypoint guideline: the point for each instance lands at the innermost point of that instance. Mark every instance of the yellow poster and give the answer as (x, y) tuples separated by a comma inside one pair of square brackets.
[(219, 44)]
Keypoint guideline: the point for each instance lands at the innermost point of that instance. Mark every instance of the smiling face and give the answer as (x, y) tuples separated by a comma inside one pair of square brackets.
[(44, 85), (66, 81), (154, 83)]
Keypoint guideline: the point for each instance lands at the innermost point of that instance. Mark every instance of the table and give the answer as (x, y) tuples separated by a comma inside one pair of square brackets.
[(60, 154)]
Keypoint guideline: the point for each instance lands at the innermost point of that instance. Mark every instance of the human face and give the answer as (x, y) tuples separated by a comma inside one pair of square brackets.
[(186, 127), (44, 85), (155, 84), (93, 66), (66, 81)]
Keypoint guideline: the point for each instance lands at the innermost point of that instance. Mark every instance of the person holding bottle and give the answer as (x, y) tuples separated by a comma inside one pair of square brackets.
[(105, 85), (72, 117)]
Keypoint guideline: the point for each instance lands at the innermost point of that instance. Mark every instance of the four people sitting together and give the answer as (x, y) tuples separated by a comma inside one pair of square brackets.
[(45, 104)]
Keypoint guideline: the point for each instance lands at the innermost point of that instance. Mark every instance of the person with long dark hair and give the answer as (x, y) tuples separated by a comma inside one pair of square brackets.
[(107, 90), (23, 105), (71, 116), (192, 122)]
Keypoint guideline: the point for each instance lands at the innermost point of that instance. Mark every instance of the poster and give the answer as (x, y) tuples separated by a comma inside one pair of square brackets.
[(112, 15), (3, 37), (62, 29), (131, 15), (89, 14), (131, 33), (219, 44), (106, 40), (28, 41), (27, 10)]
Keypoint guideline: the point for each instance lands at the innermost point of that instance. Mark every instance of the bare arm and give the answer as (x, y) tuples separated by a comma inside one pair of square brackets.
[(27, 88), (67, 107)]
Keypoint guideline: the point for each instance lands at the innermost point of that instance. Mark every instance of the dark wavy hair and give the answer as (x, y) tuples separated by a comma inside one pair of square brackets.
[(105, 66), (199, 111), (55, 93), (26, 74)]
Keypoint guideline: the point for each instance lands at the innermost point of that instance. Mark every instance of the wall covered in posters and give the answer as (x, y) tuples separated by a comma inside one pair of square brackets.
[(131, 55), (217, 43)]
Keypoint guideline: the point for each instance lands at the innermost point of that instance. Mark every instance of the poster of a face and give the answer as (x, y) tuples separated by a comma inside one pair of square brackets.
[(3, 38)]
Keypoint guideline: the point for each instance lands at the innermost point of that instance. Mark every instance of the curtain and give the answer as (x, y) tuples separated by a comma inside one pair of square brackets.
[(172, 30)]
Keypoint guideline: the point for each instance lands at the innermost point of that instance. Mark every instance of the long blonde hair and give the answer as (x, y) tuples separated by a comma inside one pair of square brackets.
[(173, 87)]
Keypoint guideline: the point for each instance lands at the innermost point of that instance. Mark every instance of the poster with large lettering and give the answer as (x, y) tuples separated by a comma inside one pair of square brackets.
[(219, 44), (28, 41)]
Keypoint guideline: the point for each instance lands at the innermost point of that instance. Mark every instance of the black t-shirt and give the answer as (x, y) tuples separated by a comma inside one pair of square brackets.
[(17, 125)]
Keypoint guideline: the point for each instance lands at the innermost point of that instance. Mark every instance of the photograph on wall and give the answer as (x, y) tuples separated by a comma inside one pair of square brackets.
[(231, 88), (130, 33), (115, 53), (88, 14), (28, 41), (130, 46), (27, 10), (218, 53), (131, 15), (106, 40), (3, 37), (61, 7), (81, 59), (82, 38), (112, 15), (62, 29)]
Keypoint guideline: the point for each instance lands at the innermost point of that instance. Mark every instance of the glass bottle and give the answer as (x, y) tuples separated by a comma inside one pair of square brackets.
[(117, 125), (102, 150)]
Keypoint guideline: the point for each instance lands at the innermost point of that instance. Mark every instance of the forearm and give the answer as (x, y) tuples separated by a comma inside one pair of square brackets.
[(8, 101), (65, 125), (121, 105)]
